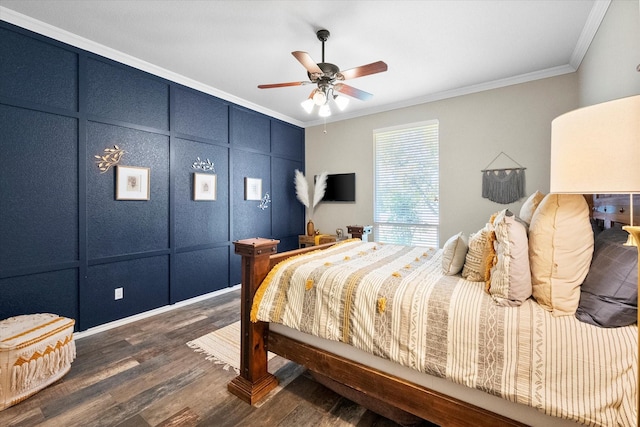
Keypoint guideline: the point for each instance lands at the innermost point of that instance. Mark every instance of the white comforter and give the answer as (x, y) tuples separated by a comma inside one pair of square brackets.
[(394, 302)]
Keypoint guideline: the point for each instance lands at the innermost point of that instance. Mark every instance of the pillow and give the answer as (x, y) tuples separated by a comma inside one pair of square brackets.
[(476, 260), (454, 253), (509, 281), (530, 205), (609, 294), (560, 251)]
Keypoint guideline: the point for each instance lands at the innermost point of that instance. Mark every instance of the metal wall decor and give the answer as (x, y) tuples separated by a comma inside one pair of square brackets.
[(111, 157), (264, 203), (504, 185), (203, 165)]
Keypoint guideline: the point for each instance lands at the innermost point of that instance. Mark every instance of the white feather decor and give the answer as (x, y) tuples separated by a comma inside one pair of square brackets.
[(302, 188), (319, 189)]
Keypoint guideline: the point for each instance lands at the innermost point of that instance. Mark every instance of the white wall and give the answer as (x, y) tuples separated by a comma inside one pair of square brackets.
[(473, 130), (608, 70)]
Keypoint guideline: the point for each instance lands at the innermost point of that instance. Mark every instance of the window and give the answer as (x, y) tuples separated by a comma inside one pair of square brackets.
[(406, 184)]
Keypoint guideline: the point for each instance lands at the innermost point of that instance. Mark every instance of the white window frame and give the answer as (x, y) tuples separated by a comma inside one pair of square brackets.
[(424, 231)]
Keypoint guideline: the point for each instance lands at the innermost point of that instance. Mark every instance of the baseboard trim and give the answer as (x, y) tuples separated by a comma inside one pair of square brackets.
[(164, 309)]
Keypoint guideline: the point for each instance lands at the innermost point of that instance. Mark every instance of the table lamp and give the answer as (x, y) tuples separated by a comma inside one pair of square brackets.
[(596, 150)]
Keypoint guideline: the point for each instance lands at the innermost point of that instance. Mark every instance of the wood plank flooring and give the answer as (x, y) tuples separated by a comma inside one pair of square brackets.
[(143, 374)]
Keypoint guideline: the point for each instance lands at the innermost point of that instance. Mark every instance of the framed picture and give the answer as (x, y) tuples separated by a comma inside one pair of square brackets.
[(204, 186), (132, 183), (252, 188)]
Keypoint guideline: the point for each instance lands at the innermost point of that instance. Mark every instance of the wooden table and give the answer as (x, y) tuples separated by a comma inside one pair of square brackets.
[(304, 240)]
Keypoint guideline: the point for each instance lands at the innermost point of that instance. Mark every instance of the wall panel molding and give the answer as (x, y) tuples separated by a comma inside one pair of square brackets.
[(63, 228)]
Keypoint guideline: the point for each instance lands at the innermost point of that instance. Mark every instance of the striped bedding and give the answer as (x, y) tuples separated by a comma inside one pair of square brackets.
[(395, 302)]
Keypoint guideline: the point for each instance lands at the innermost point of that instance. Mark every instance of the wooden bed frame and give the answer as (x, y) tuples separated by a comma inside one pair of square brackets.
[(390, 396), (400, 400)]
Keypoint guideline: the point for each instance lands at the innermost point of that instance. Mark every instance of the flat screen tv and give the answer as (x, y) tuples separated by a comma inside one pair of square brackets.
[(341, 187)]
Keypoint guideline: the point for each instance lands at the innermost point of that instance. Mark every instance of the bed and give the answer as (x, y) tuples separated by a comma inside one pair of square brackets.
[(538, 363)]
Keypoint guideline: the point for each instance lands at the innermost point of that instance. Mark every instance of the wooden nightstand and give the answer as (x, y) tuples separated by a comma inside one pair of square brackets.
[(304, 240), (327, 238)]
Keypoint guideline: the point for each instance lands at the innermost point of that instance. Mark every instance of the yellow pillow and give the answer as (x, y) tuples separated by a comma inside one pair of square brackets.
[(560, 251)]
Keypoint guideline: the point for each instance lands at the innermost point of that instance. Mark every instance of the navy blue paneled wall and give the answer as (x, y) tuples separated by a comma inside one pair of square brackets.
[(66, 243)]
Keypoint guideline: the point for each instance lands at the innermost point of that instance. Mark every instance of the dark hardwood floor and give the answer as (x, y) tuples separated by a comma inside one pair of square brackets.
[(143, 374)]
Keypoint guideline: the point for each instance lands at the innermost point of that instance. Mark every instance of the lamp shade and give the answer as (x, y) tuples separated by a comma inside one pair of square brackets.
[(596, 149), (307, 104), (325, 111), (341, 102)]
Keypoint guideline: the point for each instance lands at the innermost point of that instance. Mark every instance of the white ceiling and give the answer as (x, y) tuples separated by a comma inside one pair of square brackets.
[(434, 49)]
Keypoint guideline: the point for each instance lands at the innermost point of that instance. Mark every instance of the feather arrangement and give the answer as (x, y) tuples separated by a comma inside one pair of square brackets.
[(302, 188), (319, 188)]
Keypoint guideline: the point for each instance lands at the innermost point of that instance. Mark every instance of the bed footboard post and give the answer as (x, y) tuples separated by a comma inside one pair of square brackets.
[(254, 381)]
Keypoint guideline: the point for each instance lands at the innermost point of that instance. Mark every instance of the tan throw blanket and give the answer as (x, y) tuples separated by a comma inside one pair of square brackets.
[(396, 303)]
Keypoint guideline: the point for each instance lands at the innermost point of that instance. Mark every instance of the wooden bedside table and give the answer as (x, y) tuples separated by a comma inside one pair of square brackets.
[(304, 240)]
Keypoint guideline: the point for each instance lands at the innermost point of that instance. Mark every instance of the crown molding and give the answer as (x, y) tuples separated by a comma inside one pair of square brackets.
[(74, 40), (598, 11), (467, 90), (589, 31), (596, 16)]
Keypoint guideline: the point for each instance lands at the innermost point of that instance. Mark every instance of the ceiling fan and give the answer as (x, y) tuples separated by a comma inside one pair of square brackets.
[(328, 79)]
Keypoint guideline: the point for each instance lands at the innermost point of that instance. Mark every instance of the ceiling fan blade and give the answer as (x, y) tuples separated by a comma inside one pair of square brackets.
[(363, 70), (352, 91), (273, 85), (308, 63)]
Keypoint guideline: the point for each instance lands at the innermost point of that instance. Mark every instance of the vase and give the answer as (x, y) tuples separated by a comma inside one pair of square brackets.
[(310, 228)]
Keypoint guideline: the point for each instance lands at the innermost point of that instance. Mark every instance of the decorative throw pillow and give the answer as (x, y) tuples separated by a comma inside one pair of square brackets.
[(530, 205), (509, 281), (476, 260), (560, 251), (609, 294), (454, 253)]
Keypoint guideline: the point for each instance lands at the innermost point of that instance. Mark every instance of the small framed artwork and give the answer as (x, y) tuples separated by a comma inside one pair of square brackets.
[(132, 183), (204, 186), (252, 188)]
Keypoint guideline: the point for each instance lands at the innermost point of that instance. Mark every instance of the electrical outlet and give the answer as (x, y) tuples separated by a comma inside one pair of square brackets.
[(119, 293)]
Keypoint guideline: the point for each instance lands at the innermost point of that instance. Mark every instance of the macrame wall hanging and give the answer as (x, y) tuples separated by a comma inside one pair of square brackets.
[(503, 185)]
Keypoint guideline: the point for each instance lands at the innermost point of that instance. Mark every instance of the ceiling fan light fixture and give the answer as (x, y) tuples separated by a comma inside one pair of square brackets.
[(341, 101), (320, 98), (328, 78), (324, 111), (308, 105)]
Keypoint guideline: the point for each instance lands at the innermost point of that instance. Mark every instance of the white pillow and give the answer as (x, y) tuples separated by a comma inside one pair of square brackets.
[(530, 205), (560, 251), (454, 253), (510, 278)]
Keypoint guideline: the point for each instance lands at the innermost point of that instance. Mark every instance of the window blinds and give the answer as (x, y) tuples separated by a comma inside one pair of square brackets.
[(406, 184)]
